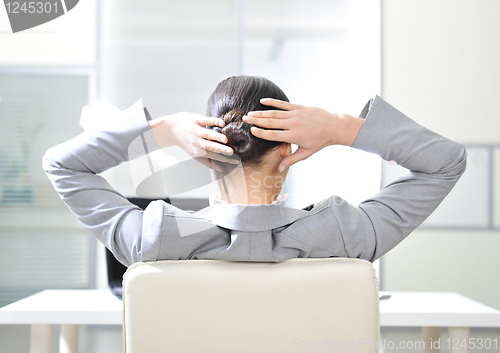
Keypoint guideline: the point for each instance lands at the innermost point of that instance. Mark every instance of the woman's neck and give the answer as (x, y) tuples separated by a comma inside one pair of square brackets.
[(250, 188)]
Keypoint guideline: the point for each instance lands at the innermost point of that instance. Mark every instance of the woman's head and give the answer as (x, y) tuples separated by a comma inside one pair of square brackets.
[(232, 99)]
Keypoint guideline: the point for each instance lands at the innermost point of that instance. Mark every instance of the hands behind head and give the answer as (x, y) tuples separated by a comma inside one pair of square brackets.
[(310, 128), (189, 132)]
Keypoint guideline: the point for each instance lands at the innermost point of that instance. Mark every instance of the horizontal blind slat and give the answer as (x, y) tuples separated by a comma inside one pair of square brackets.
[(42, 245)]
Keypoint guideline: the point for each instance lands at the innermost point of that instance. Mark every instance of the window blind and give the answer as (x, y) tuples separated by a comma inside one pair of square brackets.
[(42, 245)]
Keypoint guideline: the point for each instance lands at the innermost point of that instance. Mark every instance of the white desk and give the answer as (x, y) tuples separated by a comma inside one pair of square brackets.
[(70, 308), (434, 310)]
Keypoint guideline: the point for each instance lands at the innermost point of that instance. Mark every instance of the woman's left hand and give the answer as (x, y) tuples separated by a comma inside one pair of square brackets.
[(310, 128), (189, 132)]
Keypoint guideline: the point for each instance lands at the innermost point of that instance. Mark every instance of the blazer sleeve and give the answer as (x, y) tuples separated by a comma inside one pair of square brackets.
[(73, 169), (435, 164)]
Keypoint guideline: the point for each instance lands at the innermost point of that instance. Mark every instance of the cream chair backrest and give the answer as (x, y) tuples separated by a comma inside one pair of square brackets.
[(202, 306)]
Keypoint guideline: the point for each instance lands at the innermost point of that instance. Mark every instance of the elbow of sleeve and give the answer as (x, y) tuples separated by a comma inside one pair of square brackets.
[(47, 160), (462, 160), (52, 159), (455, 163)]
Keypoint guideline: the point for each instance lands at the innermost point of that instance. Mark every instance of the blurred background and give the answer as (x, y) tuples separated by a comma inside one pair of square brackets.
[(437, 61)]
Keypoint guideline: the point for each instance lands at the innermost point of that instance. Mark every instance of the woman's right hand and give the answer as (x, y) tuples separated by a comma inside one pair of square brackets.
[(310, 128), (189, 132)]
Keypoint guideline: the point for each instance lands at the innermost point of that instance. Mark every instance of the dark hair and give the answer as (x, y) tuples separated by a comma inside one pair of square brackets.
[(232, 99)]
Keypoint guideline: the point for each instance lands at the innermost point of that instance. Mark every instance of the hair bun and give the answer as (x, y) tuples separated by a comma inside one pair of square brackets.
[(238, 133), (233, 116)]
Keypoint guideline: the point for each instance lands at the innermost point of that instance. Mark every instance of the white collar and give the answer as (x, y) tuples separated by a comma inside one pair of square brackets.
[(242, 217), (215, 198)]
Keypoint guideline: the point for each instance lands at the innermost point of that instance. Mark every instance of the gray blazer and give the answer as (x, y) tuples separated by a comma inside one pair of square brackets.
[(332, 228)]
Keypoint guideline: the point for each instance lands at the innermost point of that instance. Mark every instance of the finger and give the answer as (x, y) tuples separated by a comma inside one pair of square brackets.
[(269, 123), (277, 114), (213, 150), (299, 155), (215, 147), (278, 103), (208, 134), (271, 135), (209, 121)]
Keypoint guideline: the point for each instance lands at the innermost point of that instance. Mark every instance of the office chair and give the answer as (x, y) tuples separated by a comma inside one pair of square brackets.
[(202, 306)]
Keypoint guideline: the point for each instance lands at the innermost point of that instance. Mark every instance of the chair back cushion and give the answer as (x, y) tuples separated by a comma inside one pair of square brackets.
[(202, 306)]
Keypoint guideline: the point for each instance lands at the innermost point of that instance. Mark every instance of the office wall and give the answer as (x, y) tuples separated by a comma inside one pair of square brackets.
[(440, 66)]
